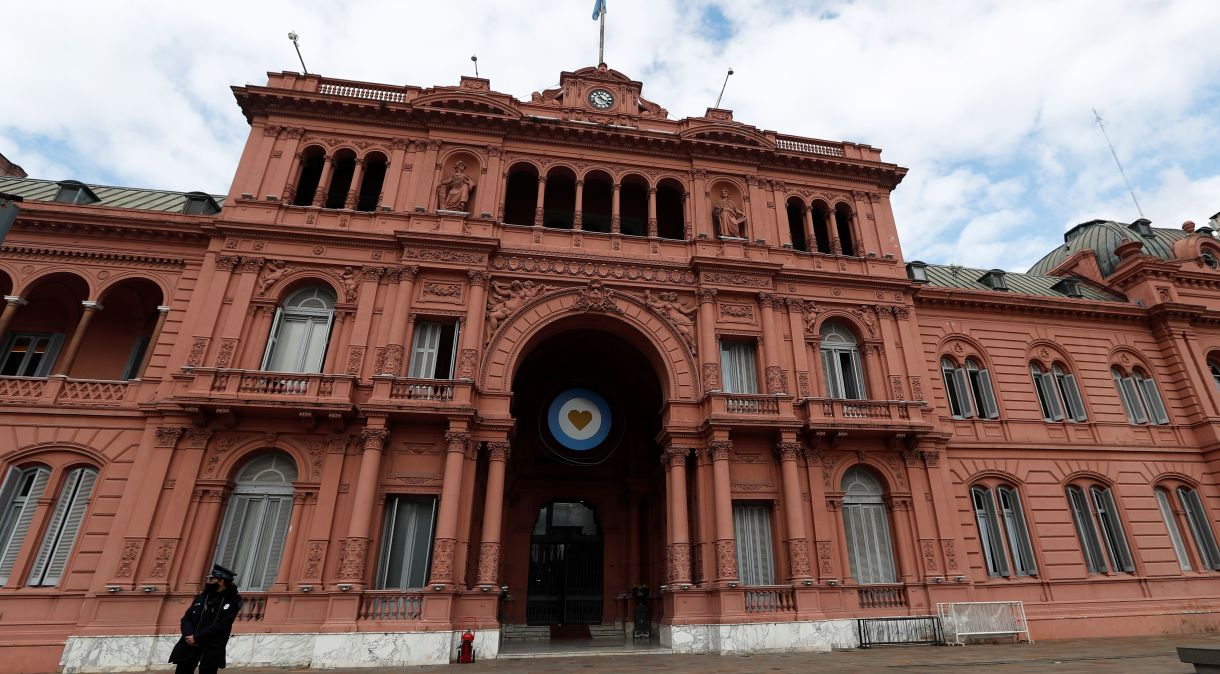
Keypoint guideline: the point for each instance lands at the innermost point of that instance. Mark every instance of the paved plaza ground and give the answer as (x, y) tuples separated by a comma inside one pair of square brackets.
[(1136, 655)]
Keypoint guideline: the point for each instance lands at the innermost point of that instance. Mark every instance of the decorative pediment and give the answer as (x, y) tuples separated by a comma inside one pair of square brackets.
[(732, 134), (465, 101)]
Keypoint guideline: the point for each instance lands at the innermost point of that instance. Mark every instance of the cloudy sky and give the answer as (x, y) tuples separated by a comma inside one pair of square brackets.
[(989, 104)]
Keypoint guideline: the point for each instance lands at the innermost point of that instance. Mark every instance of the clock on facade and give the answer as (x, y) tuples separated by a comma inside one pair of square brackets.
[(601, 99)]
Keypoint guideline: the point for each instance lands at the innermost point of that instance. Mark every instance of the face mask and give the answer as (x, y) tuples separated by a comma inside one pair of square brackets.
[(212, 586)]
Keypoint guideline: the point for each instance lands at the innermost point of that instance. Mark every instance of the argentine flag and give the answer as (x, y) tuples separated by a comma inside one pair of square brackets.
[(598, 8)]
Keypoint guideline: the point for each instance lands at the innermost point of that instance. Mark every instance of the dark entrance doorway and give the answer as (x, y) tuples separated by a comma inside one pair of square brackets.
[(565, 583)]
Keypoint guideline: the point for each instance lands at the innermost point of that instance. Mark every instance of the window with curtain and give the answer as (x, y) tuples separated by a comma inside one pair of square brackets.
[(841, 363), (433, 351), (737, 366), (1200, 527), (1171, 523), (301, 331), (866, 523), (1058, 393), (1095, 515), (63, 527), (256, 521), (1139, 396), (752, 528), (29, 354), (1001, 522), (19, 496), (406, 542)]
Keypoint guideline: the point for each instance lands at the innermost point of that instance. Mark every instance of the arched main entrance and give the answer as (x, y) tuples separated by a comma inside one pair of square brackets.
[(585, 505)]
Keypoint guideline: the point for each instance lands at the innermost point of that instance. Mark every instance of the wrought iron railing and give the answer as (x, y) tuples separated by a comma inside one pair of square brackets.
[(914, 629)]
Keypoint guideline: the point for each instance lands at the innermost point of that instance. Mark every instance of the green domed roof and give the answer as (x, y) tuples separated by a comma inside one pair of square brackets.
[(1103, 236)]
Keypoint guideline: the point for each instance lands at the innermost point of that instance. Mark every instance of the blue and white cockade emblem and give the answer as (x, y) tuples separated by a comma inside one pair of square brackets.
[(579, 419)]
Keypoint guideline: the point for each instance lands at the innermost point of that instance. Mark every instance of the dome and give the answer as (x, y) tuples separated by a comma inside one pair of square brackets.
[(1103, 236)]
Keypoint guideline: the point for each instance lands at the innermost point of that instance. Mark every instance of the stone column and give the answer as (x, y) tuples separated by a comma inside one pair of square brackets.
[(78, 335), (771, 338), (709, 354), (355, 548), (678, 553), (794, 517), (726, 540), (11, 304), (472, 332), (800, 351), (652, 211), (447, 515), (353, 190), (358, 340), (578, 217), (688, 225), (905, 550), (633, 538), (874, 373), (822, 526), (290, 178), (811, 240), (493, 513), (162, 313), (832, 230), (396, 348), (538, 207), (211, 500), (616, 225), (835, 505), (393, 174), (319, 196)]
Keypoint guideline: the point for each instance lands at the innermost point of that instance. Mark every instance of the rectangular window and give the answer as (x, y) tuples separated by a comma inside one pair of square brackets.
[(1071, 396), (1132, 403), (63, 528), (752, 528), (1086, 531), (298, 342), (406, 542), (30, 354), (870, 550), (1044, 384), (1112, 529), (1175, 535), (252, 539), (19, 497), (1156, 409), (1200, 528), (433, 351), (984, 397), (1018, 533), (989, 532), (737, 367)]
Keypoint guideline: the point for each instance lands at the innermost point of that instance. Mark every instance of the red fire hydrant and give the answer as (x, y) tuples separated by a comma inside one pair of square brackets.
[(466, 648)]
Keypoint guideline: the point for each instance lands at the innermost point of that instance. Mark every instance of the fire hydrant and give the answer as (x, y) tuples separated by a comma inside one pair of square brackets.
[(466, 648)]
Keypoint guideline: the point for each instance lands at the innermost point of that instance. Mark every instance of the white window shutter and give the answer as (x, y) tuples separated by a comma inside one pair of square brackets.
[(62, 529), (990, 408), (423, 354), (1018, 533), (1131, 400), (231, 532), (992, 552), (269, 352), (963, 392), (21, 516), (276, 528), (1074, 401), (1200, 527), (1171, 524), (1085, 530), (1052, 396), (833, 389), (1156, 408)]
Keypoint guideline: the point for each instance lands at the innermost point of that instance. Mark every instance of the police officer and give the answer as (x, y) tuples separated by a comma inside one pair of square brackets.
[(206, 625)]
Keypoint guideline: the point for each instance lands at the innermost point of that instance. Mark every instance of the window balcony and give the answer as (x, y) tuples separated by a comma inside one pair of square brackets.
[(748, 408), (421, 397), (61, 391), (881, 416), (224, 391)]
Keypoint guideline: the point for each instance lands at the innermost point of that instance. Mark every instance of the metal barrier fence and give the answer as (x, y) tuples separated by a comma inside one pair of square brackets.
[(983, 618), (915, 629)]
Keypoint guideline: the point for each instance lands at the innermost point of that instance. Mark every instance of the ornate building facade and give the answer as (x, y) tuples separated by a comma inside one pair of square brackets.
[(443, 358)]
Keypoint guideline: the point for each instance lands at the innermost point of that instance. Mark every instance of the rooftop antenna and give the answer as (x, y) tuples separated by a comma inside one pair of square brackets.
[(726, 83), (292, 35), (476, 65), (1102, 125)]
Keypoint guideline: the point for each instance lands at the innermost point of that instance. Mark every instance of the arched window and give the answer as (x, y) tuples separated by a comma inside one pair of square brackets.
[(843, 227), (867, 527), (597, 202), (19, 498), (301, 331), (969, 390), (559, 202), (1000, 520), (1209, 259), (1140, 397), (1215, 370), (1057, 392), (313, 160), (633, 205), (342, 172), (256, 521), (671, 210), (1097, 511), (841, 362), (371, 182), (822, 222), (796, 224), (1200, 527), (63, 527)]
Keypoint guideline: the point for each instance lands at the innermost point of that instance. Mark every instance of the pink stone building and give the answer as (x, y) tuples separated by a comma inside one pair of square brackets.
[(436, 342)]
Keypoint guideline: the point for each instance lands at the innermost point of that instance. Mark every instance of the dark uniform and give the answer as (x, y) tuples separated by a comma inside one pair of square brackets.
[(210, 620)]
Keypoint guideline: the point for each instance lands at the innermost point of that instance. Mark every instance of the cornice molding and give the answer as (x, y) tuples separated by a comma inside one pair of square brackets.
[(36, 253)]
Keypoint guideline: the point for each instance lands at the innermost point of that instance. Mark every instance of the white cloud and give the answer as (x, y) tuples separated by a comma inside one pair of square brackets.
[(988, 104)]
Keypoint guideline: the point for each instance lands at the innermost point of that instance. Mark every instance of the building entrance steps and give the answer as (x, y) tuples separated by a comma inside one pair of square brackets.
[(553, 641)]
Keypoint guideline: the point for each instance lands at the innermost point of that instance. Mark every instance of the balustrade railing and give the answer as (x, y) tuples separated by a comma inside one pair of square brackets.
[(770, 600), (60, 390), (440, 390), (22, 388), (882, 596), (362, 92), (253, 607), (801, 145), (270, 383), (391, 606), (751, 404)]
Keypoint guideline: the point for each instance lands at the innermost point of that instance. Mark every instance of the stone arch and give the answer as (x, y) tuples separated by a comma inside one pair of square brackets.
[(884, 474), (1054, 352), (1170, 475), (230, 462), (973, 349), (843, 316), (995, 473), (155, 279), (299, 278), (1087, 474), (25, 286), (1134, 359), (79, 455), (671, 356)]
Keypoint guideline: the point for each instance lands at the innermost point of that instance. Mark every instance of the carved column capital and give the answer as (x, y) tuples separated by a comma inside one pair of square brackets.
[(766, 300), (499, 451), (374, 438), (478, 278), (706, 295), (456, 441), (788, 451), (167, 436), (719, 449), (675, 456), (227, 262)]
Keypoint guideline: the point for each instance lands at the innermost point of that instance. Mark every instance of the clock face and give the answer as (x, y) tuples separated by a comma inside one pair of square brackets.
[(601, 99)]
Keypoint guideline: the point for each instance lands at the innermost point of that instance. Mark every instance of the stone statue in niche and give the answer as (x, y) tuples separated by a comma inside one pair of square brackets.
[(272, 273), (730, 218), (454, 191), (506, 298), (681, 315)]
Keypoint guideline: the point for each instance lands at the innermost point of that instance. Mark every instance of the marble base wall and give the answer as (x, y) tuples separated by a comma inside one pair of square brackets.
[(315, 651), (785, 637)]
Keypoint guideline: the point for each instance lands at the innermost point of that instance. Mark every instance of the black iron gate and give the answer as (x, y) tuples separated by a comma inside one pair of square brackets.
[(565, 572)]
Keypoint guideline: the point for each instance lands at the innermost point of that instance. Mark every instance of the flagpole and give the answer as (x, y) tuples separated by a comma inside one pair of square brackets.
[(601, 44)]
